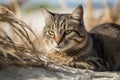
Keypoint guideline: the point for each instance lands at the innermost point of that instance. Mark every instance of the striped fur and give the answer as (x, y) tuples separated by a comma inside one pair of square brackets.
[(69, 42)]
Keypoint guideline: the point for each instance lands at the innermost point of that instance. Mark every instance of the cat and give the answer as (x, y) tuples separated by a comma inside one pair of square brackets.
[(71, 45)]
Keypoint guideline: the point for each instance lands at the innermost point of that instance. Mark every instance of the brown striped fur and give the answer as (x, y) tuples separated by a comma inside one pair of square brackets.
[(71, 45)]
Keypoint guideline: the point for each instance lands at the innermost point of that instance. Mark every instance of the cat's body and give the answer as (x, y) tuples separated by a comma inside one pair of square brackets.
[(106, 38), (73, 46)]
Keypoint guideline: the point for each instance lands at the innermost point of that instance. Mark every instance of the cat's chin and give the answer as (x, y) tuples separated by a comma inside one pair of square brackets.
[(60, 49)]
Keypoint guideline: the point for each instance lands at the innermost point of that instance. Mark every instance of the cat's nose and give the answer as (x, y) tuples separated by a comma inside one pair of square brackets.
[(57, 39)]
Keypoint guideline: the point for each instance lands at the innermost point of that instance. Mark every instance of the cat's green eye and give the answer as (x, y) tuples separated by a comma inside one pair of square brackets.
[(68, 32), (51, 33)]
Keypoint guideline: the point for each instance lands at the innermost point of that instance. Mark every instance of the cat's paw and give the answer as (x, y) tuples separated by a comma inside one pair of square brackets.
[(82, 65)]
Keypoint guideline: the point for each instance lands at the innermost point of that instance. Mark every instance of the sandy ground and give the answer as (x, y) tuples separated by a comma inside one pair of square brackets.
[(32, 73)]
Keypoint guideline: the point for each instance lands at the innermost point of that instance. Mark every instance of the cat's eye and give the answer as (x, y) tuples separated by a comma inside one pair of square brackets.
[(68, 32), (51, 33)]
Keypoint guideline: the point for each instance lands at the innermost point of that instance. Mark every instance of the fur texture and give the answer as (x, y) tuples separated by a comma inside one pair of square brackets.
[(70, 44)]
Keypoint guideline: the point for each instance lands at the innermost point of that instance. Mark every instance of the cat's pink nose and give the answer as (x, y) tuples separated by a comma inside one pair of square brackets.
[(57, 39)]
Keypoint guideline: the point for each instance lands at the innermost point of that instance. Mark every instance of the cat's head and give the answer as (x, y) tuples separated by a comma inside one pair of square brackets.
[(64, 31)]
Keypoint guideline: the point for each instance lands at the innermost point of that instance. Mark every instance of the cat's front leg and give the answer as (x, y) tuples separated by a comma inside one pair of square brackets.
[(82, 65), (88, 66)]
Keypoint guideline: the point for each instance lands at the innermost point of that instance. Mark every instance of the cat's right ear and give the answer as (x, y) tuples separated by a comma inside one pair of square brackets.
[(47, 14), (78, 13)]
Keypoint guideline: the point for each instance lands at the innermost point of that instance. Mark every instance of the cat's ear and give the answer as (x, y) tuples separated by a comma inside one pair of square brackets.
[(78, 13), (47, 14)]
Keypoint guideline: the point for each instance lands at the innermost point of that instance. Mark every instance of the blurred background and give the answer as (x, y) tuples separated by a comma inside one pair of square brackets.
[(95, 11)]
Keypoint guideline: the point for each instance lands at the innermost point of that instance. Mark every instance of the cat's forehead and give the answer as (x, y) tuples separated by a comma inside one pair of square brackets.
[(64, 19), (60, 19), (61, 16), (61, 22)]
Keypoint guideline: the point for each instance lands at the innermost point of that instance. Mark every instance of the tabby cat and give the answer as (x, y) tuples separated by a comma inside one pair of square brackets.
[(71, 45)]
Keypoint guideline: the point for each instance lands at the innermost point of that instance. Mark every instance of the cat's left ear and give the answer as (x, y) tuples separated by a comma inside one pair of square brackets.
[(47, 14), (77, 14)]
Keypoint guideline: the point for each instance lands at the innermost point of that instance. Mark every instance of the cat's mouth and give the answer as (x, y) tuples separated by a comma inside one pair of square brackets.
[(59, 48)]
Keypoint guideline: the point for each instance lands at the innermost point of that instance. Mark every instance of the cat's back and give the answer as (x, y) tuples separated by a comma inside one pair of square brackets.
[(107, 34), (108, 38), (108, 29)]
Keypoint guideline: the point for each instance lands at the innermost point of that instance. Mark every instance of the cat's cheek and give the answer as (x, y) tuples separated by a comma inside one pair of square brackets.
[(47, 41), (47, 45), (63, 44), (54, 44), (67, 45)]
